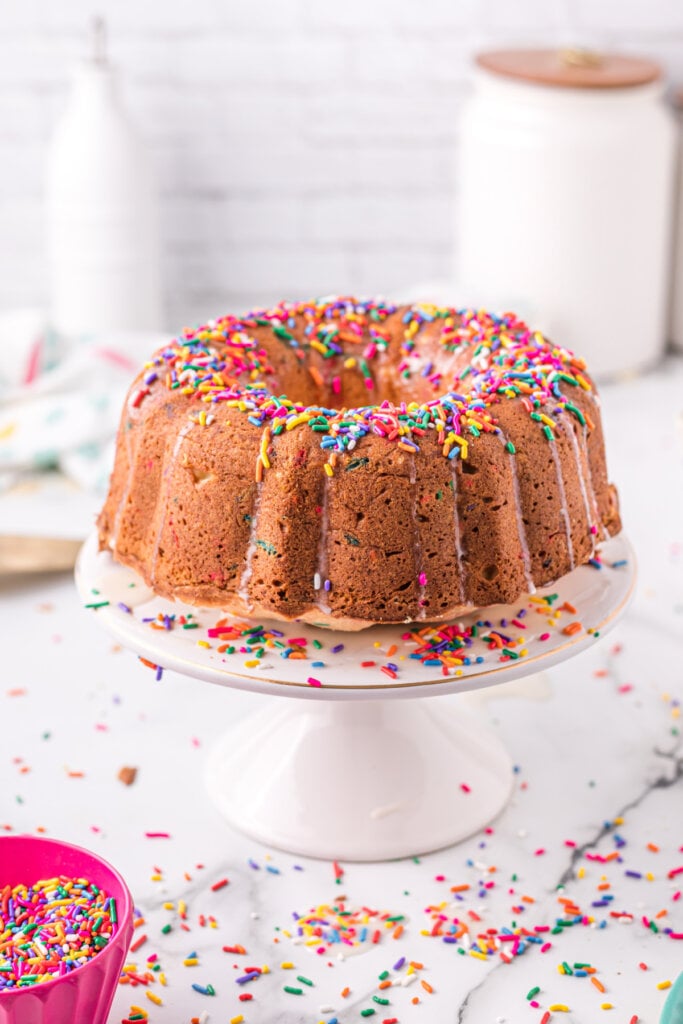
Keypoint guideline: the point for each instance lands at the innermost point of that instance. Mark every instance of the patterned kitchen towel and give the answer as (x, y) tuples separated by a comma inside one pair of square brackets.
[(61, 398)]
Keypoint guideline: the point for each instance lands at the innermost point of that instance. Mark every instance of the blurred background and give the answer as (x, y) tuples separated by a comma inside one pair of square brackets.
[(301, 147), (163, 164)]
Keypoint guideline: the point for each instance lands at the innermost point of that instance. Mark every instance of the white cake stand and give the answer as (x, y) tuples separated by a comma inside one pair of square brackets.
[(354, 771)]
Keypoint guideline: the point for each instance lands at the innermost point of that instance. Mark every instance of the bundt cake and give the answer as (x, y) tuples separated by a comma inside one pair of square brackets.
[(349, 462)]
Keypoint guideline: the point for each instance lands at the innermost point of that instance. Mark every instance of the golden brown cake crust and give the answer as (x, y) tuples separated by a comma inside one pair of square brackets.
[(347, 463)]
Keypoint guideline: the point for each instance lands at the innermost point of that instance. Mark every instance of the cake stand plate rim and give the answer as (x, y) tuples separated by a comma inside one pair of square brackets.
[(149, 644)]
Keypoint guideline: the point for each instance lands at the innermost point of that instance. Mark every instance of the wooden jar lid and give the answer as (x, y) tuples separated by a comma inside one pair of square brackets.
[(571, 68)]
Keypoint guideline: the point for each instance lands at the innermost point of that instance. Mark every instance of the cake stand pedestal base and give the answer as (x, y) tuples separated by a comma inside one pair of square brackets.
[(365, 766), (360, 780)]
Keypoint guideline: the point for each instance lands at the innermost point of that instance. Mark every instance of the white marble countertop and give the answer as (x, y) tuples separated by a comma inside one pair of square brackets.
[(597, 742)]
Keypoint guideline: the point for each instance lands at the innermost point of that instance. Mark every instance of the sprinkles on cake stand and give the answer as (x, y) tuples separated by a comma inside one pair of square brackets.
[(447, 646)]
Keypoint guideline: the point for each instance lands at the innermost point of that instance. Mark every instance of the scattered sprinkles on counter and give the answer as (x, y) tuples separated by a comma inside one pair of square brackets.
[(224, 361), (51, 928), (341, 928)]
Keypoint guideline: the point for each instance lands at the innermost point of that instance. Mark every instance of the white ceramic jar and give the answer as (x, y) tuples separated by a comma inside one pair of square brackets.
[(676, 326), (564, 206)]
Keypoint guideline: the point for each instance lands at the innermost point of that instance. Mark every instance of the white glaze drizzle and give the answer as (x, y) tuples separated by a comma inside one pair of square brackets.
[(166, 487), (417, 544), (321, 559), (521, 529), (598, 518), (458, 534), (563, 503), (243, 589), (592, 517)]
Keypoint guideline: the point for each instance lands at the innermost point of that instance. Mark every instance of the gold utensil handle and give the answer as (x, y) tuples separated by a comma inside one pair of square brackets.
[(25, 554)]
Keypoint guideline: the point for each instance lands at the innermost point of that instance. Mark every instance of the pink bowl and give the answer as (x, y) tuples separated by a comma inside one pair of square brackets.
[(85, 995)]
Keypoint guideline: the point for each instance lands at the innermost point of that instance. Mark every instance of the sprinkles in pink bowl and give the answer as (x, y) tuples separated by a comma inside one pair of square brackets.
[(66, 921)]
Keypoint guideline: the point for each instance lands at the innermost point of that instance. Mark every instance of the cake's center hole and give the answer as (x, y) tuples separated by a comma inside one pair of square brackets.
[(338, 387)]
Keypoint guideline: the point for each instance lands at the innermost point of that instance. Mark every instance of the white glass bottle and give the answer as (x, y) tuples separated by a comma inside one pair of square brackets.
[(102, 213)]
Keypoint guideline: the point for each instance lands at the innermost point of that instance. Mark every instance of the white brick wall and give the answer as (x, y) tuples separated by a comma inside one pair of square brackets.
[(303, 146)]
